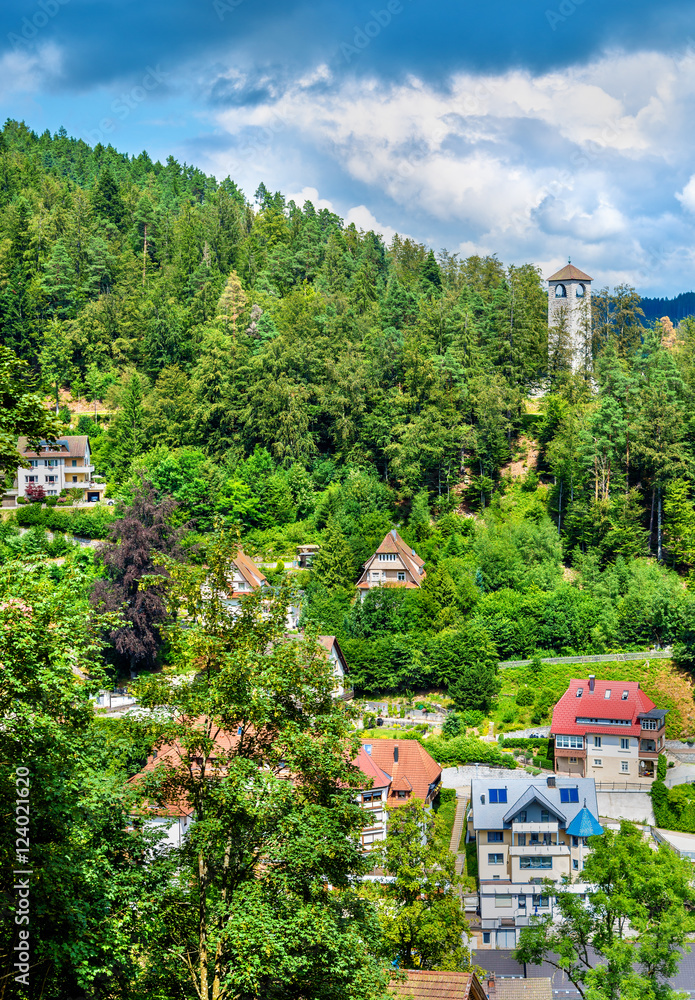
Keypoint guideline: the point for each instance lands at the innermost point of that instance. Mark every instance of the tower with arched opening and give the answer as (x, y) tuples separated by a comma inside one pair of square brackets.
[(569, 313)]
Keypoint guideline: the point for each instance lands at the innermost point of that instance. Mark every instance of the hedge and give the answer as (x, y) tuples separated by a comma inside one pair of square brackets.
[(467, 750), (524, 743), (94, 523)]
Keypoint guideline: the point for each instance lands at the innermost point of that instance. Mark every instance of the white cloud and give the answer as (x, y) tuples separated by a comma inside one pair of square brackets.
[(26, 71), (310, 194), (582, 161)]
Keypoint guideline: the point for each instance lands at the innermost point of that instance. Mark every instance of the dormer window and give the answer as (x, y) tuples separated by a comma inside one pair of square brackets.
[(607, 694), (580, 692)]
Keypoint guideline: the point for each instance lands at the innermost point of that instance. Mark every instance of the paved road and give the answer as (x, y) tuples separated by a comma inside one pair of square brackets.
[(500, 962)]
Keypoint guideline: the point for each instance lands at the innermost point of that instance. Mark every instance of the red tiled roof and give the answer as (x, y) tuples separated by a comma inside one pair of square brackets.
[(414, 765), (595, 705), (369, 767), (569, 273), (423, 984)]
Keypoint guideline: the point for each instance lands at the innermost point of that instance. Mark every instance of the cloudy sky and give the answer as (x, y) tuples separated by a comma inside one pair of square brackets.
[(534, 129)]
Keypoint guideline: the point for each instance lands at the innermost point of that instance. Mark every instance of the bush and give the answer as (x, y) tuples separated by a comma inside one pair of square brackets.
[(525, 696), (22, 500), (51, 501), (447, 794), (661, 767), (465, 750)]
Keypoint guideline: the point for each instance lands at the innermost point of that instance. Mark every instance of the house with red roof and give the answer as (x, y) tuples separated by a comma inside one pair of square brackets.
[(607, 730), (398, 771), (394, 564)]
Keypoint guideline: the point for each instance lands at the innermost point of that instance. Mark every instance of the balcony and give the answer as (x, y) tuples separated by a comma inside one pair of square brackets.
[(566, 752), (648, 749), (535, 828), (540, 851)]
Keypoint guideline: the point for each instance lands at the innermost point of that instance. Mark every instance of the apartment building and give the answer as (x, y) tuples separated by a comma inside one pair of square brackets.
[(607, 730), (527, 830), (397, 771), (394, 564), (63, 464)]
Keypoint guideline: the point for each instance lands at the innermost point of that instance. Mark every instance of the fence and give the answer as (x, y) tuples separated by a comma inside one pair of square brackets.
[(623, 786), (653, 654)]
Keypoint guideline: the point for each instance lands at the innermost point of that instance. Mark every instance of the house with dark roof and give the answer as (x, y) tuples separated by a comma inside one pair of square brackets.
[(607, 730), (56, 466), (394, 564), (397, 771), (527, 830), (423, 984)]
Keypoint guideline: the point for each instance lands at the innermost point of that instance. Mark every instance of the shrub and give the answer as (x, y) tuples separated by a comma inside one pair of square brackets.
[(467, 750), (22, 500), (51, 501), (525, 696), (661, 767)]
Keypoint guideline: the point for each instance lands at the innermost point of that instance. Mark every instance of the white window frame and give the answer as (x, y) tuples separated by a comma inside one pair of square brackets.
[(624, 742), (624, 767), (651, 724), (569, 742), (498, 859), (598, 762), (401, 576)]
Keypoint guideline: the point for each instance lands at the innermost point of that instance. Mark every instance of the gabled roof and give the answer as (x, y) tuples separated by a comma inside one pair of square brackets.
[(394, 543), (584, 824), (331, 644), (369, 767), (248, 570), (411, 561), (569, 273), (70, 446), (533, 794), (595, 705), (422, 984), (414, 765)]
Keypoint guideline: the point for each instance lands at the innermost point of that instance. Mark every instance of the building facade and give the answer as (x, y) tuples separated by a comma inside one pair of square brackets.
[(569, 314), (607, 730), (394, 564), (526, 831), (63, 464), (397, 771)]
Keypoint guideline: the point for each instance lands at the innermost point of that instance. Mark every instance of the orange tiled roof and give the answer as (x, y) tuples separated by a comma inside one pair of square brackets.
[(423, 984), (414, 765), (248, 570)]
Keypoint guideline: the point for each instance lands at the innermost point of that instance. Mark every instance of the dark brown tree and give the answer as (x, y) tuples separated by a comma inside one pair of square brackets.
[(127, 556)]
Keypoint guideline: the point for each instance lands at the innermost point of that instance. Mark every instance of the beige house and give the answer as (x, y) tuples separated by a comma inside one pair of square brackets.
[(64, 464), (607, 730), (527, 830), (394, 564)]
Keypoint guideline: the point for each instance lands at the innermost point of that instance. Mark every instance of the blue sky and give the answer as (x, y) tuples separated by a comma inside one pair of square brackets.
[(535, 130)]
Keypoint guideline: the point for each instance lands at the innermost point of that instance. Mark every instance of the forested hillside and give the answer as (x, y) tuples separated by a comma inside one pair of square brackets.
[(277, 372)]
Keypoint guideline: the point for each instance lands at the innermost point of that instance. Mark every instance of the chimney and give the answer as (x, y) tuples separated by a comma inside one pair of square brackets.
[(592, 681), (491, 988), (395, 754)]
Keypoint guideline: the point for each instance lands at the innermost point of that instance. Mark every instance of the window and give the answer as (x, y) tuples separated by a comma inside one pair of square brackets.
[(545, 816), (624, 766), (624, 742), (580, 291), (575, 864), (625, 695), (503, 902), (570, 742), (401, 795), (401, 576), (534, 838), (35, 462), (51, 479), (387, 557), (542, 902), (32, 479), (376, 575), (52, 462), (495, 859), (495, 837), (580, 692), (573, 760), (569, 795), (575, 841), (498, 794), (597, 741), (51, 493), (74, 463), (521, 840), (74, 479), (486, 937), (607, 694), (649, 724), (598, 762), (522, 816), (522, 902), (535, 862), (560, 292)]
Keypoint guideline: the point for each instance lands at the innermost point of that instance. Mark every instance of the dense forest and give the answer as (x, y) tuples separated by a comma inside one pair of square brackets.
[(259, 374)]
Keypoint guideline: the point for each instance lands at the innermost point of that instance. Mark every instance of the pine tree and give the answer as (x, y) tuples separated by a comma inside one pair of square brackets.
[(333, 565), (231, 303), (129, 430)]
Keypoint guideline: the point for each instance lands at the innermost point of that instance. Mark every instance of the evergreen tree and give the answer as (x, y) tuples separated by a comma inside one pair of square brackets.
[(333, 565)]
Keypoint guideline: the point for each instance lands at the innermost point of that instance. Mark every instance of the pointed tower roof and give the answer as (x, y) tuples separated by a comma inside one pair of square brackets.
[(584, 824), (569, 273)]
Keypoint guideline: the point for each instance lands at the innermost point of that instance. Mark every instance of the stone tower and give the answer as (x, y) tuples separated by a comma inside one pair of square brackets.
[(569, 313)]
